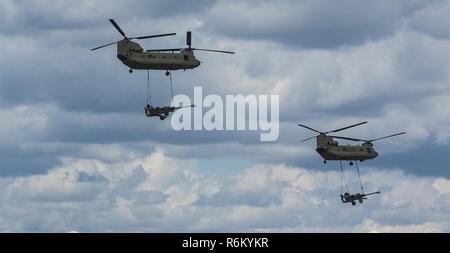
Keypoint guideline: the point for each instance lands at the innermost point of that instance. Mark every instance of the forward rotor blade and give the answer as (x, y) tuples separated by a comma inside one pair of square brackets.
[(346, 138), (164, 50), (117, 27), (153, 36), (104, 46), (389, 136), (308, 139), (312, 129), (340, 129), (212, 50)]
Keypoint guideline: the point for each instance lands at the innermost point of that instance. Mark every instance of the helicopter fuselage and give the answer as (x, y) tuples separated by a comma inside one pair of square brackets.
[(133, 55), (329, 149)]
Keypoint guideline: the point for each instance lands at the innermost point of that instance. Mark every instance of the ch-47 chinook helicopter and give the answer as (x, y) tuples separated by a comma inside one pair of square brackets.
[(330, 149), (135, 57)]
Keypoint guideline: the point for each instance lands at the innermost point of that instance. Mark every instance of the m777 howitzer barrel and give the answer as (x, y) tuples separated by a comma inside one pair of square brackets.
[(377, 192)]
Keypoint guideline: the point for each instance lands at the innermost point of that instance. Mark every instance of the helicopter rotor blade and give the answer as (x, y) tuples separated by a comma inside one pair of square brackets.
[(153, 36), (340, 129), (104, 46), (117, 27), (389, 136), (189, 38), (312, 129), (307, 139), (213, 50), (346, 138)]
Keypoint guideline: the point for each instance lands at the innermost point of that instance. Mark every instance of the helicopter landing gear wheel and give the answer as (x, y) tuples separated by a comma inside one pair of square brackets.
[(161, 118), (166, 114), (351, 163), (324, 161), (353, 203), (167, 73), (131, 71), (360, 201)]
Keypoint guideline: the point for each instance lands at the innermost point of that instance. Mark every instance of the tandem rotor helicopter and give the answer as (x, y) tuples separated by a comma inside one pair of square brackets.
[(134, 56), (329, 149)]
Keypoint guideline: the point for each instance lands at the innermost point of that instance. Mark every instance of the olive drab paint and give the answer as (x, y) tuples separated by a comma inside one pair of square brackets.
[(329, 149), (134, 56)]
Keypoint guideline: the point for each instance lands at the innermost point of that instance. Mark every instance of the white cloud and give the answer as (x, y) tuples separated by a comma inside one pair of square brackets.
[(442, 185), (160, 193), (21, 122), (427, 227), (405, 194)]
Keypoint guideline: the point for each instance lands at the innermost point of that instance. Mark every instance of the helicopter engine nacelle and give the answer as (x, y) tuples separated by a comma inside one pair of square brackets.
[(125, 47), (323, 140)]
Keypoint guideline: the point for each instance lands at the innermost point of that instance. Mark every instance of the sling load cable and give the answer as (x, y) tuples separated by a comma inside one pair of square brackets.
[(359, 176), (149, 96), (171, 87), (343, 179)]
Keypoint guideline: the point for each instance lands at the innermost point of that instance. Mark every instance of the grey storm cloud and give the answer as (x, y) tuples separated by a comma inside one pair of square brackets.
[(312, 24), (38, 16), (432, 20), (73, 131)]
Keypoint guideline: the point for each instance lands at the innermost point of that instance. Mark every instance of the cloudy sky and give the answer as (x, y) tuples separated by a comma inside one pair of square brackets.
[(78, 153)]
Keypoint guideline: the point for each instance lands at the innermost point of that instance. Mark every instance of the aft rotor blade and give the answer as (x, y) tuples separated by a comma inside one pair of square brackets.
[(312, 129), (389, 136), (346, 138), (340, 129), (153, 36), (212, 50), (164, 50), (308, 139), (189, 39), (117, 28), (104, 46)]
